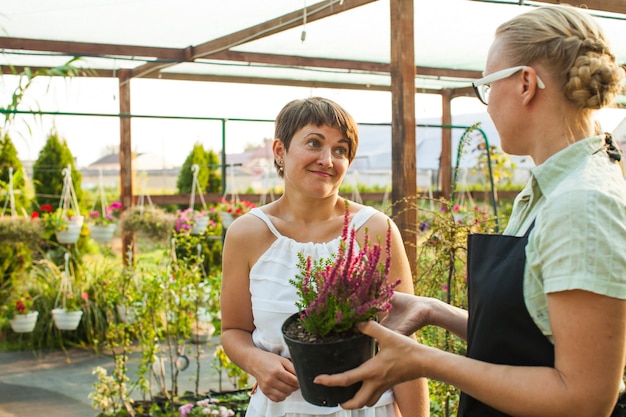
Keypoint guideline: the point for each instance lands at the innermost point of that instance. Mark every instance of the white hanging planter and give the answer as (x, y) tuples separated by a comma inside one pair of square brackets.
[(24, 323), (72, 232), (102, 233), (227, 218), (200, 224), (66, 320)]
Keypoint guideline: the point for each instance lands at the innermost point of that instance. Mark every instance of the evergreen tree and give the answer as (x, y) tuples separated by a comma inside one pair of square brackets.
[(198, 156), (214, 183), (9, 159), (48, 171)]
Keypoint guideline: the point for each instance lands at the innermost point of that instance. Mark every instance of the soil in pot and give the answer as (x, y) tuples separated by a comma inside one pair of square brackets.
[(331, 354)]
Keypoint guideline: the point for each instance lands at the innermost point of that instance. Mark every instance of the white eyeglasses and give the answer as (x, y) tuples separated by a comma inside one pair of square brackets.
[(482, 86)]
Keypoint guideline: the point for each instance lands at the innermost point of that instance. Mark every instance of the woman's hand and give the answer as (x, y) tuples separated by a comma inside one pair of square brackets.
[(275, 376), (408, 314), (393, 364)]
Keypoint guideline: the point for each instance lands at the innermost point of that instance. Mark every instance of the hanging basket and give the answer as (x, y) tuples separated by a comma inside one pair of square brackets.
[(227, 218), (72, 232), (102, 233), (24, 323), (200, 224), (66, 320)]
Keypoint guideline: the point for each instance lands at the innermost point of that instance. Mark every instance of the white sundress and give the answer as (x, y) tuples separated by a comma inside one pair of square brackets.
[(273, 301)]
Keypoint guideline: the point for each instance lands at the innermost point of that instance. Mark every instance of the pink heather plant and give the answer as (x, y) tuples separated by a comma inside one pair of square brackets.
[(350, 287)]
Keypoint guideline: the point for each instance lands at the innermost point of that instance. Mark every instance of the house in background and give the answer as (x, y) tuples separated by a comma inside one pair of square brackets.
[(153, 174)]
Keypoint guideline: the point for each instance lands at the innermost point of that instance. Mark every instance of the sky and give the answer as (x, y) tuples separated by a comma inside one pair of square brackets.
[(90, 138)]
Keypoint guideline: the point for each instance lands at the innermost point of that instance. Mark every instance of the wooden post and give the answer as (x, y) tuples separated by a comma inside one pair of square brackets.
[(445, 163), (403, 125), (126, 159)]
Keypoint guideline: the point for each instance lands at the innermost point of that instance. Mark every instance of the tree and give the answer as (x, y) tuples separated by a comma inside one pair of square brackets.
[(198, 156), (8, 160), (48, 169), (214, 184), (209, 179)]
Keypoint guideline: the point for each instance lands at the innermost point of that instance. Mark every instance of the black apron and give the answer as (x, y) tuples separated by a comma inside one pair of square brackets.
[(500, 329)]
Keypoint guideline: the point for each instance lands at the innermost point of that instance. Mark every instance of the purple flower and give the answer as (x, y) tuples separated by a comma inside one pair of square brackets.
[(350, 287)]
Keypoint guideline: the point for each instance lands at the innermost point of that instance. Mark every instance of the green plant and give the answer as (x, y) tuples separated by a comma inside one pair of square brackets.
[(12, 174), (237, 376), (152, 221), (14, 230), (235, 207), (441, 273), (57, 220), (54, 157), (110, 392), (351, 287), (21, 303)]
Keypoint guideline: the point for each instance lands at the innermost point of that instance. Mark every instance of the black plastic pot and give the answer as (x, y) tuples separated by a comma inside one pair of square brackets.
[(312, 359)]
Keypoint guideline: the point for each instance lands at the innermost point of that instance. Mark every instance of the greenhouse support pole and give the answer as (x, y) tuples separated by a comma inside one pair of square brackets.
[(126, 159), (403, 147)]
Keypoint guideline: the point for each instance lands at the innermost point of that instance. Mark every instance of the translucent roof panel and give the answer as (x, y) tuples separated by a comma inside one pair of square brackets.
[(261, 41)]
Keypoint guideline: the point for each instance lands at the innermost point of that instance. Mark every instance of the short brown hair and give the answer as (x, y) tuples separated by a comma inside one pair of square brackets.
[(317, 111)]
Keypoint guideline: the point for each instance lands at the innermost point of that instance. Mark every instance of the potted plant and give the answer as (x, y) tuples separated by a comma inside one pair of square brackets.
[(68, 305), (24, 317), (334, 295), (153, 222), (192, 221), (64, 224), (102, 224), (68, 315), (229, 210)]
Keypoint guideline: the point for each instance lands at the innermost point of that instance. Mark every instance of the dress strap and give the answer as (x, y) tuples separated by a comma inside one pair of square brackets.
[(358, 220), (261, 215), (362, 216)]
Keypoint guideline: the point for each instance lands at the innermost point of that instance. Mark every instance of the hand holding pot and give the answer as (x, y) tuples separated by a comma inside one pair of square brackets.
[(396, 361), (275, 376)]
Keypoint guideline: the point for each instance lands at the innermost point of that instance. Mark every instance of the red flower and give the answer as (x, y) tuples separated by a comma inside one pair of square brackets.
[(46, 208), (34, 215), (20, 307)]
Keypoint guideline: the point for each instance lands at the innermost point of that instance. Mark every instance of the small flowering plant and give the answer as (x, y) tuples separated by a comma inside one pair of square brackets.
[(186, 219), (73, 302), (348, 288), (110, 215), (19, 304), (206, 407), (55, 220), (235, 207)]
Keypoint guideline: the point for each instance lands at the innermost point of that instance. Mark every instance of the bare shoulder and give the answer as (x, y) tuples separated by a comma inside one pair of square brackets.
[(378, 224), (248, 236)]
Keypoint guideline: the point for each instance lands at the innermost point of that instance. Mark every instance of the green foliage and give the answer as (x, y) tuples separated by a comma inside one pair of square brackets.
[(8, 160), (27, 76), (47, 171), (153, 222), (214, 183), (209, 178), (442, 274), (198, 156)]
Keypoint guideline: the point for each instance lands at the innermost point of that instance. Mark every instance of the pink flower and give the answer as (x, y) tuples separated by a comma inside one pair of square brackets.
[(185, 409)]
